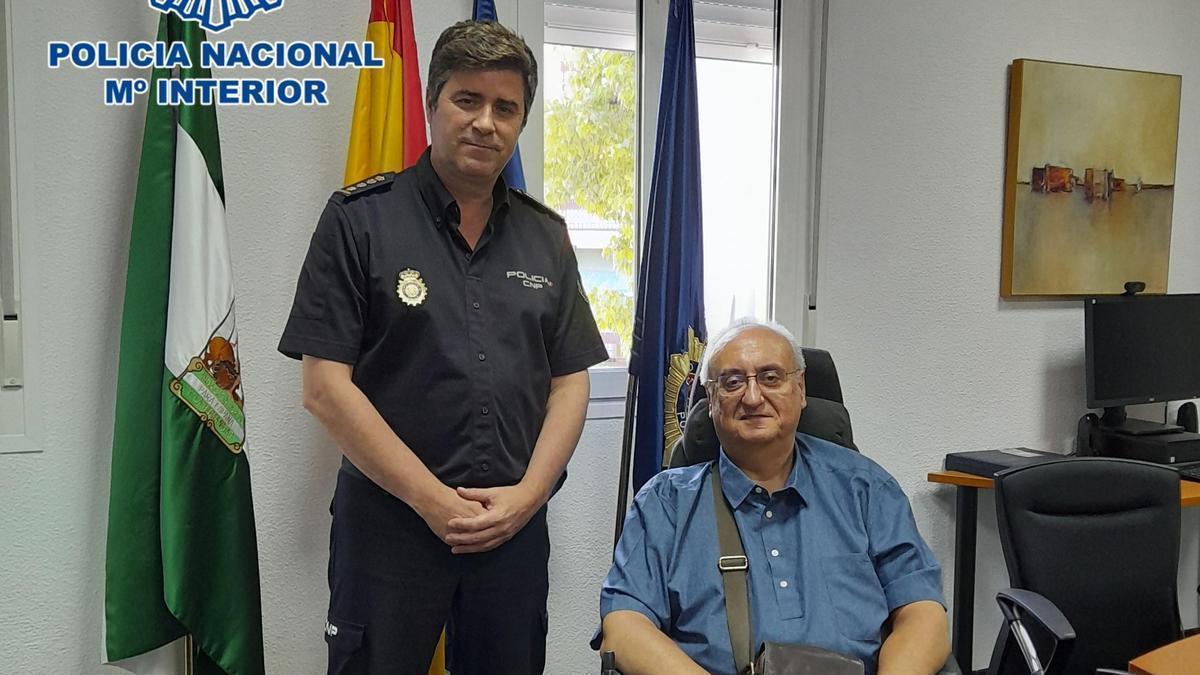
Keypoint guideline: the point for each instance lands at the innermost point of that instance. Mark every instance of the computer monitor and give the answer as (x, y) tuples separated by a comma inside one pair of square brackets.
[(1141, 349)]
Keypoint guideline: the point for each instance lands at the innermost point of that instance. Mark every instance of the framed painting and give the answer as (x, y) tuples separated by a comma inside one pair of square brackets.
[(1090, 179)]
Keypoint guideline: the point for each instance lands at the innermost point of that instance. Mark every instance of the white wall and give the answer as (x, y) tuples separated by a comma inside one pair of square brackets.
[(932, 360)]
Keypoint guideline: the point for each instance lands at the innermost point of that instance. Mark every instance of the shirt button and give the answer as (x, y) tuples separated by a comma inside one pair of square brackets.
[(484, 410), (485, 468), (758, 490), (775, 552), (783, 584), (483, 357), (769, 514), (467, 256), (475, 305)]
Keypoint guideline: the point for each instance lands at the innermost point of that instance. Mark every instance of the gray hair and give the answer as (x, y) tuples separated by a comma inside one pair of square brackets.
[(740, 326), (480, 45)]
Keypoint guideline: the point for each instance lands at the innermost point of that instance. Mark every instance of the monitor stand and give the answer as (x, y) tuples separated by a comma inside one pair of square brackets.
[(1116, 421)]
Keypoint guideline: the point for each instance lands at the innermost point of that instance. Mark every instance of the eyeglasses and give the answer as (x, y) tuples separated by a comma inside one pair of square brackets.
[(771, 380)]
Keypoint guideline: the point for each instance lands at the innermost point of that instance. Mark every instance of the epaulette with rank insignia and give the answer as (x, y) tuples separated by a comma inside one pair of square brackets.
[(363, 186), (538, 206)]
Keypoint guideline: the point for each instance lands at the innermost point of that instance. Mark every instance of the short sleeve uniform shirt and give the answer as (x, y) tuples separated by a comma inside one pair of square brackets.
[(455, 347)]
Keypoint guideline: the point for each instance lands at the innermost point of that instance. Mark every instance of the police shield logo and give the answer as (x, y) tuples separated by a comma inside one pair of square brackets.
[(216, 15), (411, 288), (681, 374)]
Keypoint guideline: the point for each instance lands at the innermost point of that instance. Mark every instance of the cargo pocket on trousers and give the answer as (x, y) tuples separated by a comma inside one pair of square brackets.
[(345, 641)]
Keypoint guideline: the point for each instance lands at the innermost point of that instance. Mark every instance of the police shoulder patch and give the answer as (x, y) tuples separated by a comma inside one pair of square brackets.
[(537, 205), (363, 186)]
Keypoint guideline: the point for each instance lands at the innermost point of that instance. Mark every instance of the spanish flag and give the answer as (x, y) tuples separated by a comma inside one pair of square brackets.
[(388, 131)]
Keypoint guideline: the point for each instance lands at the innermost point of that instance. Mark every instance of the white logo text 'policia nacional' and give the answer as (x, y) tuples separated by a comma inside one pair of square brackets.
[(530, 280)]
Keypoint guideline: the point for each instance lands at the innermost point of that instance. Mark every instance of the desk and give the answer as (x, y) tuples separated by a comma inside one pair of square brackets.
[(966, 510), (1177, 658)]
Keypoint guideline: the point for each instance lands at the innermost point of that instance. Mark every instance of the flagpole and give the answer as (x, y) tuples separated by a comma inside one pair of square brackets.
[(626, 459), (189, 665)]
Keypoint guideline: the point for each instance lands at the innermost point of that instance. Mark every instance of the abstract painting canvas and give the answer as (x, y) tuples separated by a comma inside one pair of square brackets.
[(1090, 179)]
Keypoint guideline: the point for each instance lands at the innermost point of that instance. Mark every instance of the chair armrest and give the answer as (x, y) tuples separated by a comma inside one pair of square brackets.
[(950, 667), (1111, 671), (1038, 608)]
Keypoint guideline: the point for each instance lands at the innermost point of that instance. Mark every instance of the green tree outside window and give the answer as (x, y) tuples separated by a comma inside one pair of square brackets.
[(589, 155)]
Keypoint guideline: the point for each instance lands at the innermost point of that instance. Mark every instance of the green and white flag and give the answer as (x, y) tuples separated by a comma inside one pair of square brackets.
[(182, 557)]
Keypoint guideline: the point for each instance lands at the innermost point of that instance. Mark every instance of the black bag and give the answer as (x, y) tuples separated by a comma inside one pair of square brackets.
[(773, 658), (780, 659)]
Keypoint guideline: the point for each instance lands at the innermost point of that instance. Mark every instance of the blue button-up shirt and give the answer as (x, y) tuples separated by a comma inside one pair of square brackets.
[(831, 555)]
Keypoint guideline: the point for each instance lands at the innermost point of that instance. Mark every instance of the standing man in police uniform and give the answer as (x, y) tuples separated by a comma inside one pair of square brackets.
[(445, 340)]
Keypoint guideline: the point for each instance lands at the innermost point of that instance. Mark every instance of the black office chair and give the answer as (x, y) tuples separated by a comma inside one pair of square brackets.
[(824, 417), (1092, 547)]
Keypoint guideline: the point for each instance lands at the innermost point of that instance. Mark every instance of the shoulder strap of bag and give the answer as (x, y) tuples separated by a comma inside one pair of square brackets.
[(734, 567)]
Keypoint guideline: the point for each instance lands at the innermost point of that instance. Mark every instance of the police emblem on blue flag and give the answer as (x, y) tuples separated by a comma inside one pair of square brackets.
[(215, 15), (669, 329), (680, 378)]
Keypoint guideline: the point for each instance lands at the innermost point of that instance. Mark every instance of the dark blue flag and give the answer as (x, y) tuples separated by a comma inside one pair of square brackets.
[(668, 329), (514, 175)]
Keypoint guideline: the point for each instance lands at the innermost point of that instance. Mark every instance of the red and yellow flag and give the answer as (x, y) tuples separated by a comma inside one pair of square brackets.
[(388, 131)]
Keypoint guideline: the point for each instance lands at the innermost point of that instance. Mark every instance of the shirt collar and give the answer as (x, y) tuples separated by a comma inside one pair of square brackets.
[(737, 486), (439, 200)]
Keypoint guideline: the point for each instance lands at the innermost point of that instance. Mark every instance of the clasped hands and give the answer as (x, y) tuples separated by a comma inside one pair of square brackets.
[(474, 520)]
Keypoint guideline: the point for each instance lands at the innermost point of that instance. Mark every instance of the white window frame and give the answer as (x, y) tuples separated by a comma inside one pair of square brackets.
[(798, 50), (20, 430)]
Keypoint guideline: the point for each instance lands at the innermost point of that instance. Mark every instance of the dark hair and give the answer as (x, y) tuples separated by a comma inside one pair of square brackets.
[(480, 45)]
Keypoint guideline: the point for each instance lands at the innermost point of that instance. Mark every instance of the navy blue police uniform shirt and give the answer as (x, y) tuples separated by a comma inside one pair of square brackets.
[(454, 347)]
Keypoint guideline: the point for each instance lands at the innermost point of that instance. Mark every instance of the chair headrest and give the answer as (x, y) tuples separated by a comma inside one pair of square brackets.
[(820, 376)]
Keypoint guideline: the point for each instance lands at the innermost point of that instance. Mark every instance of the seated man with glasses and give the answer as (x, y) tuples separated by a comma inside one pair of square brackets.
[(835, 559)]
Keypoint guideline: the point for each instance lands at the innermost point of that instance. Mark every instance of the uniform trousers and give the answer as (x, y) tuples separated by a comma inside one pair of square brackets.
[(393, 586)]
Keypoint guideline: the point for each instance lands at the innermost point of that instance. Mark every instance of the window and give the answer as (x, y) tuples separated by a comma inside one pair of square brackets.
[(601, 69), (735, 82), (12, 400), (590, 151)]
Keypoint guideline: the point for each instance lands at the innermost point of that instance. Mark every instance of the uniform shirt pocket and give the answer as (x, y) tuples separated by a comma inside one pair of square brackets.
[(860, 607)]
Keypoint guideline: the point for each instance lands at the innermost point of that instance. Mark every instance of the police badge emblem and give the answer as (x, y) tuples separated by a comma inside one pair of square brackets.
[(681, 373), (411, 288)]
